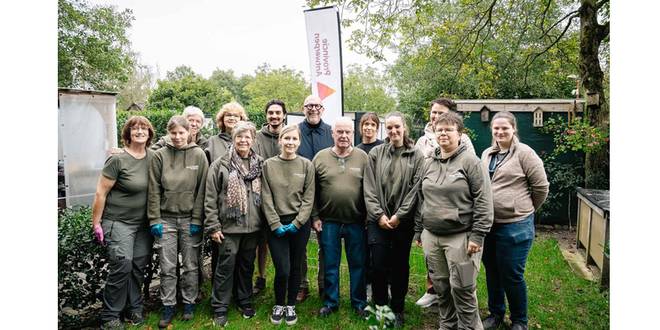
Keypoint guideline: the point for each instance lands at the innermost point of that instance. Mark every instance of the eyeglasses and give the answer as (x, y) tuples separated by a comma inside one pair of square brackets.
[(228, 114), (313, 106), (137, 128)]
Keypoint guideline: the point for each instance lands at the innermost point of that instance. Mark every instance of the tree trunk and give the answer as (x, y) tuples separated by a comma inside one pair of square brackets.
[(597, 164)]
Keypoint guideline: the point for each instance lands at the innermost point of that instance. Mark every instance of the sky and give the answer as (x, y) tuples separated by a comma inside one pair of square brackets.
[(236, 35)]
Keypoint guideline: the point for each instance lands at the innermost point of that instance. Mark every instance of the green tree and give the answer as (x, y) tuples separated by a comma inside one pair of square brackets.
[(484, 49), (283, 83), (365, 89), (93, 50), (190, 89), (180, 72), (137, 88), (227, 79)]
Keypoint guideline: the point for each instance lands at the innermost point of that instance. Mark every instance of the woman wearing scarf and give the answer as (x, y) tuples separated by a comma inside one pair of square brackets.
[(175, 209), (288, 183), (233, 220)]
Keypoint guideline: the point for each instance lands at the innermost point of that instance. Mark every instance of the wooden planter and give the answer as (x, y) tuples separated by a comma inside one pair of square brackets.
[(593, 229)]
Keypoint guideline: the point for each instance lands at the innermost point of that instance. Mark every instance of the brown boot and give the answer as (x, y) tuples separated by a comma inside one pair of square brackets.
[(303, 293)]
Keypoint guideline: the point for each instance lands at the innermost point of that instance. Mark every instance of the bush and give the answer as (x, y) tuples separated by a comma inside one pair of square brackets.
[(81, 264), (158, 119)]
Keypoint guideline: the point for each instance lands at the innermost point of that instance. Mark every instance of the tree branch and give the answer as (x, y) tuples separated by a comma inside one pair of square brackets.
[(601, 3), (570, 15), (545, 12), (570, 21)]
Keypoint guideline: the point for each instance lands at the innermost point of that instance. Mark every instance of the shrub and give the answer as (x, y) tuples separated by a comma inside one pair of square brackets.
[(81, 264), (158, 119)]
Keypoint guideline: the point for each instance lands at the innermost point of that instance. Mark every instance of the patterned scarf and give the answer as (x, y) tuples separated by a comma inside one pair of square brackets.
[(237, 198)]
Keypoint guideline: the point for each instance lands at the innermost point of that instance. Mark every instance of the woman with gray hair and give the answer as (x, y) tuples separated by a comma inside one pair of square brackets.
[(233, 220), (175, 204), (195, 118)]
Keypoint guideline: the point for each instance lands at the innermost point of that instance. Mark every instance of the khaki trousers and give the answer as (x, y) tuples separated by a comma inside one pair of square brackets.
[(454, 277)]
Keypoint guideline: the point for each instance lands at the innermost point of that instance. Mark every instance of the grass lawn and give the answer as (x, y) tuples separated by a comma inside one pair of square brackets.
[(558, 299)]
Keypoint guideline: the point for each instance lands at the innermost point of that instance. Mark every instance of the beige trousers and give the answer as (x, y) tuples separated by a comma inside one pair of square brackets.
[(454, 277)]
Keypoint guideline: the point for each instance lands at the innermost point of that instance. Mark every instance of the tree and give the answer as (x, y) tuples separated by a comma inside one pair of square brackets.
[(227, 79), (365, 89), (137, 88), (189, 89), (180, 72), (283, 83), (494, 48), (93, 49)]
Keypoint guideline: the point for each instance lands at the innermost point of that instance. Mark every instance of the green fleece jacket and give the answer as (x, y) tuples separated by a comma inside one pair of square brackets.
[(265, 143), (287, 190), (519, 183), (177, 183), (376, 179), (215, 206), (217, 147), (202, 142), (339, 189), (455, 196)]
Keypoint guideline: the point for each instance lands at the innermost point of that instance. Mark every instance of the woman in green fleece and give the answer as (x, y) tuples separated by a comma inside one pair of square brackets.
[(288, 198), (119, 220), (456, 213), (177, 177), (391, 208), (233, 220)]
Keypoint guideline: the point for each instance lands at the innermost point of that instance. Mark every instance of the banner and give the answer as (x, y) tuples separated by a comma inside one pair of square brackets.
[(324, 45)]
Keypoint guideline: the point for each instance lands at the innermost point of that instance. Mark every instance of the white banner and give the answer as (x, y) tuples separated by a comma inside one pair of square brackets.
[(324, 44)]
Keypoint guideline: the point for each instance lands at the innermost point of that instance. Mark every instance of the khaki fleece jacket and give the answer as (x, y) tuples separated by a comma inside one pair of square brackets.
[(519, 184), (202, 142), (265, 143), (177, 183), (375, 178), (428, 142), (217, 147), (215, 206), (287, 190), (339, 188), (455, 196)]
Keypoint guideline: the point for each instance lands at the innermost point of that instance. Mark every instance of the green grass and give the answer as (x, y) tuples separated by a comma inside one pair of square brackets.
[(558, 299)]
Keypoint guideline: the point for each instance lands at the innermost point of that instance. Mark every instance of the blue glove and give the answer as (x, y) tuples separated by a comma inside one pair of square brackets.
[(291, 228), (280, 231), (157, 230), (195, 229)]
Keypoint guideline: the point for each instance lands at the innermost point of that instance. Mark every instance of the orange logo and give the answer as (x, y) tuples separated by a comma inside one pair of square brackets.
[(324, 90)]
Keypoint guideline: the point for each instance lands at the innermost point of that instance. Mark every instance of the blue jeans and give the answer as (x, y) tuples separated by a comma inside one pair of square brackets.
[(355, 243), (505, 254)]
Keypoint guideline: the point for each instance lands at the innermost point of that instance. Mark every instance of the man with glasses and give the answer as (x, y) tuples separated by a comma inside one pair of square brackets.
[(315, 135)]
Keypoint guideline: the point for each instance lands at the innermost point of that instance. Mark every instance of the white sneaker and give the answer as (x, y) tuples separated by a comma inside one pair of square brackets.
[(427, 300)]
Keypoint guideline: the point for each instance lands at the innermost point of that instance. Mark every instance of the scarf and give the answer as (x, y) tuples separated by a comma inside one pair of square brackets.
[(239, 177)]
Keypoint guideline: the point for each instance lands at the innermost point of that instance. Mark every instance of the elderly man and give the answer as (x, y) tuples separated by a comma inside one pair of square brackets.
[(266, 145), (315, 135), (339, 212)]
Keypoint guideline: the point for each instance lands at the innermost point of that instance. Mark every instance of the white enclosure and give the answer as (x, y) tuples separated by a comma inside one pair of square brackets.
[(87, 130)]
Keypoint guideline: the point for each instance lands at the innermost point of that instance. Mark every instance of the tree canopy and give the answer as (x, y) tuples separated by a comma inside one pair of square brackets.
[(366, 89), (93, 48), (187, 89)]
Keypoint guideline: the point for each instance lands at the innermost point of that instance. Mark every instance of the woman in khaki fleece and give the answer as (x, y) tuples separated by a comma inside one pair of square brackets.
[(288, 198), (456, 214), (175, 207), (519, 188)]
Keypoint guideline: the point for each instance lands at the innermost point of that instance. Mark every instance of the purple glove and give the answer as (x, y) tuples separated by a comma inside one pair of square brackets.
[(98, 233)]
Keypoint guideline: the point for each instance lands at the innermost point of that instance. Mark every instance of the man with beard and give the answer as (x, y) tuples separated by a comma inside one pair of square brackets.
[(266, 146)]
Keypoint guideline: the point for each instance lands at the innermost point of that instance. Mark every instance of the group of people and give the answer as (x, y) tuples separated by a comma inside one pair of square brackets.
[(257, 191)]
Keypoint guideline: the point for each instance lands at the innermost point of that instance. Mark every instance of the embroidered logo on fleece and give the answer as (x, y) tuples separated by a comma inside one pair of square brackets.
[(193, 167), (300, 175), (457, 175)]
